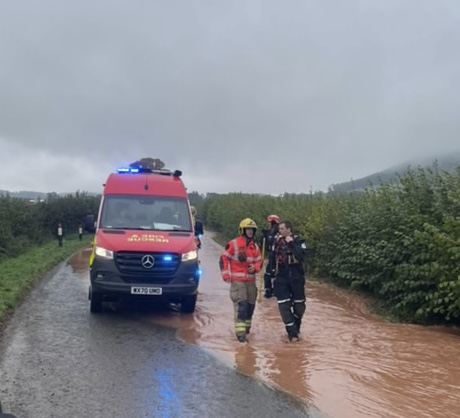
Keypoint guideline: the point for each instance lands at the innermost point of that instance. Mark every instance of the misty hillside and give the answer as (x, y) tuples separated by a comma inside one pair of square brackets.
[(445, 163)]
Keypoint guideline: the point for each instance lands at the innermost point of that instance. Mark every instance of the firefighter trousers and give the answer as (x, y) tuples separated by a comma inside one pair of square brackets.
[(268, 277), (289, 289), (243, 296)]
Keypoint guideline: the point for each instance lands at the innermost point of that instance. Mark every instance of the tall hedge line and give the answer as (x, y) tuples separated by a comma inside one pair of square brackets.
[(24, 225), (399, 242)]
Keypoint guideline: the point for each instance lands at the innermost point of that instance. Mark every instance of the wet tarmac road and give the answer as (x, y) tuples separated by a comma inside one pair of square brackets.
[(58, 360)]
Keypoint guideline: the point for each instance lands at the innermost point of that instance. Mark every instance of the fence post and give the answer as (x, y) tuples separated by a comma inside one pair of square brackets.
[(80, 232), (59, 234)]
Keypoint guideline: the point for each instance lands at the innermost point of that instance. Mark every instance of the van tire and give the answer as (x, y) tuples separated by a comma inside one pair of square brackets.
[(188, 304), (95, 303)]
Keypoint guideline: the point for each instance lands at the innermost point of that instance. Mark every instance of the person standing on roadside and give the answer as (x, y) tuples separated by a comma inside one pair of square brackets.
[(197, 227), (289, 284), (239, 262)]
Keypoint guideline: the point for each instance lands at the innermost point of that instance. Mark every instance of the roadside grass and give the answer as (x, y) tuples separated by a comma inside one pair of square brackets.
[(20, 274)]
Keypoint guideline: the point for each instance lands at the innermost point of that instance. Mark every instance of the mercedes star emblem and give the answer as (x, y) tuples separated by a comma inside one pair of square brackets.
[(148, 261)]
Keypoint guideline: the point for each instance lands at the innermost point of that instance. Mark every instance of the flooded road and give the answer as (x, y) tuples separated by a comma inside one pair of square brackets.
[(59, 361), (349, 363)]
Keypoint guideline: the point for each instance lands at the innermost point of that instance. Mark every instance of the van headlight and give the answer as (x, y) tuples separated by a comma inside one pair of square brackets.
[(102, 252), (191, 255)]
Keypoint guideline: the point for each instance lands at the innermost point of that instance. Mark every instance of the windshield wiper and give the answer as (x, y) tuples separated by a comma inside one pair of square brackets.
[(119, 227), (174, 230)]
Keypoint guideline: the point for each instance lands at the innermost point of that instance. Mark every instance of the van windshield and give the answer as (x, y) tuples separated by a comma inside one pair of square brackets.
[(145, 212)]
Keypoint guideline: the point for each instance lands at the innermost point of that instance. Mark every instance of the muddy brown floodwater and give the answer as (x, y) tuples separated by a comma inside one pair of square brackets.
[(349, 363)]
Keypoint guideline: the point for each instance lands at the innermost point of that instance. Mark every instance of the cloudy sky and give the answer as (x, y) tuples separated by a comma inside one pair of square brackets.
[(259, 96)]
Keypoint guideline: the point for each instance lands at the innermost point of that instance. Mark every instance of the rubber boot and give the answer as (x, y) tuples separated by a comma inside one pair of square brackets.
[(298, 322)]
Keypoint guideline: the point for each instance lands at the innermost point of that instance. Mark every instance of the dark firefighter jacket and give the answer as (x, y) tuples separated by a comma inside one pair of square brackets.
[(289, 255)]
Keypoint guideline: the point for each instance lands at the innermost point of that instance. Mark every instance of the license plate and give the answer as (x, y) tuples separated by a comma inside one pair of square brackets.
[(146, 290)]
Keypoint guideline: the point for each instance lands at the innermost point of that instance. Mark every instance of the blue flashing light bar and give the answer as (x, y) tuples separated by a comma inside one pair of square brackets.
[(127, 170), (167, 258)]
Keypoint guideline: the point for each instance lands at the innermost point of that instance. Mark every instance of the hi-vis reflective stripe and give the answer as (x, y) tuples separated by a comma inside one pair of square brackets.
[(240, 327), (227, 254), (290, 324), (224, 271), (284, 300), (235, 250), (242, 274), (254, 259), (299, 300)]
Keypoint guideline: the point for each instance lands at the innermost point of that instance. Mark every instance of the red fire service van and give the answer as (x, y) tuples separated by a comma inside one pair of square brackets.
[(144, 244)]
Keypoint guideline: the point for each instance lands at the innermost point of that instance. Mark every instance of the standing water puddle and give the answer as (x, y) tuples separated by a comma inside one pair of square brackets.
[(348, 364)]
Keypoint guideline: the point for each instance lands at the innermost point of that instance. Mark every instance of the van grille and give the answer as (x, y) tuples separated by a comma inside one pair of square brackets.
[(130, 263)]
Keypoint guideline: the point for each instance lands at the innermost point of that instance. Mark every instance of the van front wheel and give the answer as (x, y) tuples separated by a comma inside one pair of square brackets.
[(188, 304), (95, 302)]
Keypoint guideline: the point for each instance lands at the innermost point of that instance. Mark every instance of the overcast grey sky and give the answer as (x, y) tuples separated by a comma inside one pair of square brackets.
[(244, 95)]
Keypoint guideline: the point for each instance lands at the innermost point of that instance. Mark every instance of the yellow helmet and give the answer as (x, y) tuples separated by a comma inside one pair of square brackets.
[(247, 223)]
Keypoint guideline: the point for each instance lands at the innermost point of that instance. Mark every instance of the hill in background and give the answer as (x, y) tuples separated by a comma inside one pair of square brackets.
[(448, 162)]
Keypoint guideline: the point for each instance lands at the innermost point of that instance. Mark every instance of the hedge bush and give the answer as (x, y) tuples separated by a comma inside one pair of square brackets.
[(399, 242)]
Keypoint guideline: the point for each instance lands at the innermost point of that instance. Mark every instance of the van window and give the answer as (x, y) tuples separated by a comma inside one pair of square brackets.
[(145, 212)]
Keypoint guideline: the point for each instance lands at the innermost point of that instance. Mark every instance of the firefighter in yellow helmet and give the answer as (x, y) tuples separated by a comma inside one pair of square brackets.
[(239, 263)]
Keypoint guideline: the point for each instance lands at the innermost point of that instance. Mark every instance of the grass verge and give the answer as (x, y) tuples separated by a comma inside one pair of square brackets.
[(18, 275)]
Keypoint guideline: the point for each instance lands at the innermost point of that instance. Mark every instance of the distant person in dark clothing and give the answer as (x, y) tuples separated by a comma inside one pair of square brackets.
[(197, 226), (267, 243)]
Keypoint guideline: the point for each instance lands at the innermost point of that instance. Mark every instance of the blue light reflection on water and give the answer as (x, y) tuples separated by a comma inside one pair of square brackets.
[(165, 402)]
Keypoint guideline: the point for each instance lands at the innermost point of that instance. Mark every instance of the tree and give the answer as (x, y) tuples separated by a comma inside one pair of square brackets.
[(148, 162), (195, 198)]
